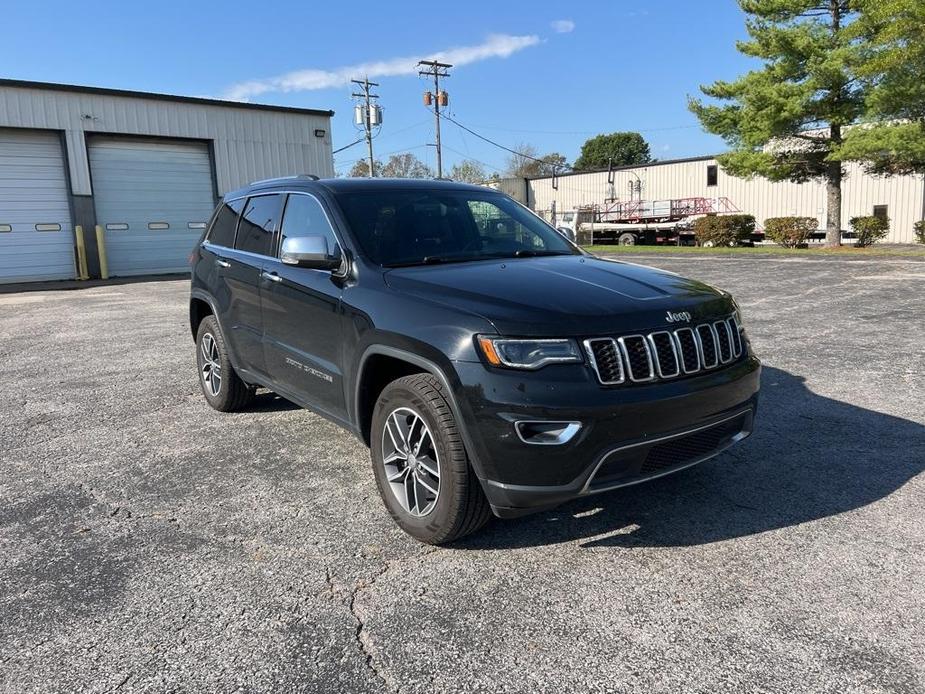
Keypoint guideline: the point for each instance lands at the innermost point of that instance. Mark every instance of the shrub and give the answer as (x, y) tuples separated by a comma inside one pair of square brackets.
[(725, 230), (789, 232), (869, 230), (920, 231)]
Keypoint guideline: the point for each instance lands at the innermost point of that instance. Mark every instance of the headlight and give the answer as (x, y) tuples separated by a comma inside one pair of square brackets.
[(528, 354)]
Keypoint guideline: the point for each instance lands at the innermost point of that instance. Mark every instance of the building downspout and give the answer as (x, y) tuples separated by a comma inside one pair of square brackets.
[(923, 197)]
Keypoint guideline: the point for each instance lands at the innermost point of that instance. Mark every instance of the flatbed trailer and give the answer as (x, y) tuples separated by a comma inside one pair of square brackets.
[(642, 233)]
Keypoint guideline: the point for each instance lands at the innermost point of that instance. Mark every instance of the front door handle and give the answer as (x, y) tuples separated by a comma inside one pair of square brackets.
[(272, 276), (222, 263)]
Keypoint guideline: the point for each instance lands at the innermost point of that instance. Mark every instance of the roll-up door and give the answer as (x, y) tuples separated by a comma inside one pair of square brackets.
[(153, 198), (36, 236)]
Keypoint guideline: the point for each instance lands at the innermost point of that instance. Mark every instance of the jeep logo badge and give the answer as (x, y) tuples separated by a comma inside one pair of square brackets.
[(678, 317)]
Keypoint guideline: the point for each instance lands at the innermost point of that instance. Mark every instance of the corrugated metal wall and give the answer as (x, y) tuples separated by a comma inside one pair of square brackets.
[(683, 179), (249, 144)]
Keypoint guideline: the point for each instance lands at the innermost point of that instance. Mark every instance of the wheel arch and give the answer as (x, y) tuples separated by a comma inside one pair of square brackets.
[(199, 308), (364, 402)]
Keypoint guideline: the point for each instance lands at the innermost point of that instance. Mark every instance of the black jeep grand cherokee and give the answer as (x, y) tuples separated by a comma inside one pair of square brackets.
[(489, 364)]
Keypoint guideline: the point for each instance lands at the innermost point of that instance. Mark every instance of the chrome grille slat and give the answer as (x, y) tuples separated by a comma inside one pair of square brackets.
[(687, 347), (606, 361), (736, 337), (706, 343), (665, 354), (635, 350), (723, 341)]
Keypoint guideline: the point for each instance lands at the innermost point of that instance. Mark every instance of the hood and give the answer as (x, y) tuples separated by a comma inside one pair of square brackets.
[(563, 295)]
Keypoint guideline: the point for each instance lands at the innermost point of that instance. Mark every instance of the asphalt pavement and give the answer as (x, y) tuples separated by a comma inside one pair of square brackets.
[(151, 544)]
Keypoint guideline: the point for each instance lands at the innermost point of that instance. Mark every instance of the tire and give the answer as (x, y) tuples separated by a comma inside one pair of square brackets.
[(459, 506), (627, 239), (227, 393)]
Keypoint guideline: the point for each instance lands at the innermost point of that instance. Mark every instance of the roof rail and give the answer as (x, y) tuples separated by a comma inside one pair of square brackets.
[(310, 177)]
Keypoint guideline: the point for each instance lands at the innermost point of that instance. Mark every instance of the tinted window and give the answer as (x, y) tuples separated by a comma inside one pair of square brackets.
[(304, 216), (258, 224), (712, 173), (405, 227), (222, 231)]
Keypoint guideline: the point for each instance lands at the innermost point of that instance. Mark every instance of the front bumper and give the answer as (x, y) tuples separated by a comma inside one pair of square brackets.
[(628, 434)]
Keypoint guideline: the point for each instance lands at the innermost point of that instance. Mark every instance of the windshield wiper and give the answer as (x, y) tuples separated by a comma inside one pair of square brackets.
[(437, 260), (527, 253)]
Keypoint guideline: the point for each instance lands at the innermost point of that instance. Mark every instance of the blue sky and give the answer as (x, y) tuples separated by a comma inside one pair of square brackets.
[(549, 74)]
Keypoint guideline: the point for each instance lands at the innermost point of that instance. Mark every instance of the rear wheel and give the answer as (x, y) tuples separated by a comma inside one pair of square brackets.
[(420, 463), (627, 239), (222, 387)]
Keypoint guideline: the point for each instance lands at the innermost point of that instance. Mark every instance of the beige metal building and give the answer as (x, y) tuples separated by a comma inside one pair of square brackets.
[(148, 168), (901, 198)]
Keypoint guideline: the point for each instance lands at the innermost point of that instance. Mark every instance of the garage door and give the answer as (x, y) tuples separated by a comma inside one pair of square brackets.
[(36, 237), (153, 198)]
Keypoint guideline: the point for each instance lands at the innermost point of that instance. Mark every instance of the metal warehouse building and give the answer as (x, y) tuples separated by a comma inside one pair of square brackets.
[(901, 198), (147, 168)]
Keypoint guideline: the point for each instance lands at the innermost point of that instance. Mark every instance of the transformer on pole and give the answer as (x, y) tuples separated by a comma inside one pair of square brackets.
[(368, 115), (437, 98)]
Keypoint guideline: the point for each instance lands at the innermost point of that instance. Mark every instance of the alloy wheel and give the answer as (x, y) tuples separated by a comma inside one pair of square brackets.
[(211, 368), (412, 465)]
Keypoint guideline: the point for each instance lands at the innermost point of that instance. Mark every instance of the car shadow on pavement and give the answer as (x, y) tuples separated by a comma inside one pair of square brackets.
[(267, 401), (810, 457)]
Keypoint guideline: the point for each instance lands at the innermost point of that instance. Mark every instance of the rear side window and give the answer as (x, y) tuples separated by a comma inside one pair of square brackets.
[(305, 217), (258, 224), (222, 231)]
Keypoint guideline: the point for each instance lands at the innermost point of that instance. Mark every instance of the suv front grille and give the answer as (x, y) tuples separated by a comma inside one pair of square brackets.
[(665, 354), (605, 358)]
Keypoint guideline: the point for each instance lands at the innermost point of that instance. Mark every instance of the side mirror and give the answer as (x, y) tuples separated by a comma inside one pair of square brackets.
[(309, 252)]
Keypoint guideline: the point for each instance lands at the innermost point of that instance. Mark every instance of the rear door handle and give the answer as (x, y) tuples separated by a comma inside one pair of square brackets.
[(272, 276), (222, 263)]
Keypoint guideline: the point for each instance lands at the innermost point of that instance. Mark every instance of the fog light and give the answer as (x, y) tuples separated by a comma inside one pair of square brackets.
[(544, 433)]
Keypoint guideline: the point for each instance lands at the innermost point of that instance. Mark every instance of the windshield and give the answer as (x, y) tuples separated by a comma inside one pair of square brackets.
[(415, 227)]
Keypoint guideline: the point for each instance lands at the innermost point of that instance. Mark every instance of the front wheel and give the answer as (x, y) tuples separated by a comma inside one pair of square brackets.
[(627, 239), (420, 463)]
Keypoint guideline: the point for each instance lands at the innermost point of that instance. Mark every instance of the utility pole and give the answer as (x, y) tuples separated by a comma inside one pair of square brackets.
[(368, 115), (432, 68)]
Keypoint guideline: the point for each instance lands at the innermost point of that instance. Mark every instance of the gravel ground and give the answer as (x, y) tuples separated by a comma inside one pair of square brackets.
[(152, 544)]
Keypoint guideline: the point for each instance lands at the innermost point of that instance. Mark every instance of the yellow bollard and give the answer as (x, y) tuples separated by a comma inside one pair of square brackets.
[(101, 248), (82, 273)]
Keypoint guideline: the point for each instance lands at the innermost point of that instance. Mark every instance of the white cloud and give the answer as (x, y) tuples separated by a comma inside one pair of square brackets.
[(495, 46), (562, 26)]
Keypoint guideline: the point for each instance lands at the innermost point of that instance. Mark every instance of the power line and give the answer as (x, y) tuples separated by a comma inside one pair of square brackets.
[(385, 154), (492, 142), (478, 161), (581, 132), (355, 142)]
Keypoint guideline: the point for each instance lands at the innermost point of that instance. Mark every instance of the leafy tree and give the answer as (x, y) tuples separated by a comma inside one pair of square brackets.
[(553, 161), (891, 138), (468, 171), (360, 169), (624, 149), (528, 163), (786, 120), (405, 165)]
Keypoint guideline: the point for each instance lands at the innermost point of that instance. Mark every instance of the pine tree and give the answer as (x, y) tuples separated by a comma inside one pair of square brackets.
[(786, 121)]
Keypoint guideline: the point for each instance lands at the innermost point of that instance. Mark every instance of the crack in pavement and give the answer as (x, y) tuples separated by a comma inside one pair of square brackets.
[(361, 634)]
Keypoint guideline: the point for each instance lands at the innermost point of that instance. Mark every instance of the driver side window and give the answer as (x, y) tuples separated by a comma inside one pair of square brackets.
[(500, 231), (304, 216)]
